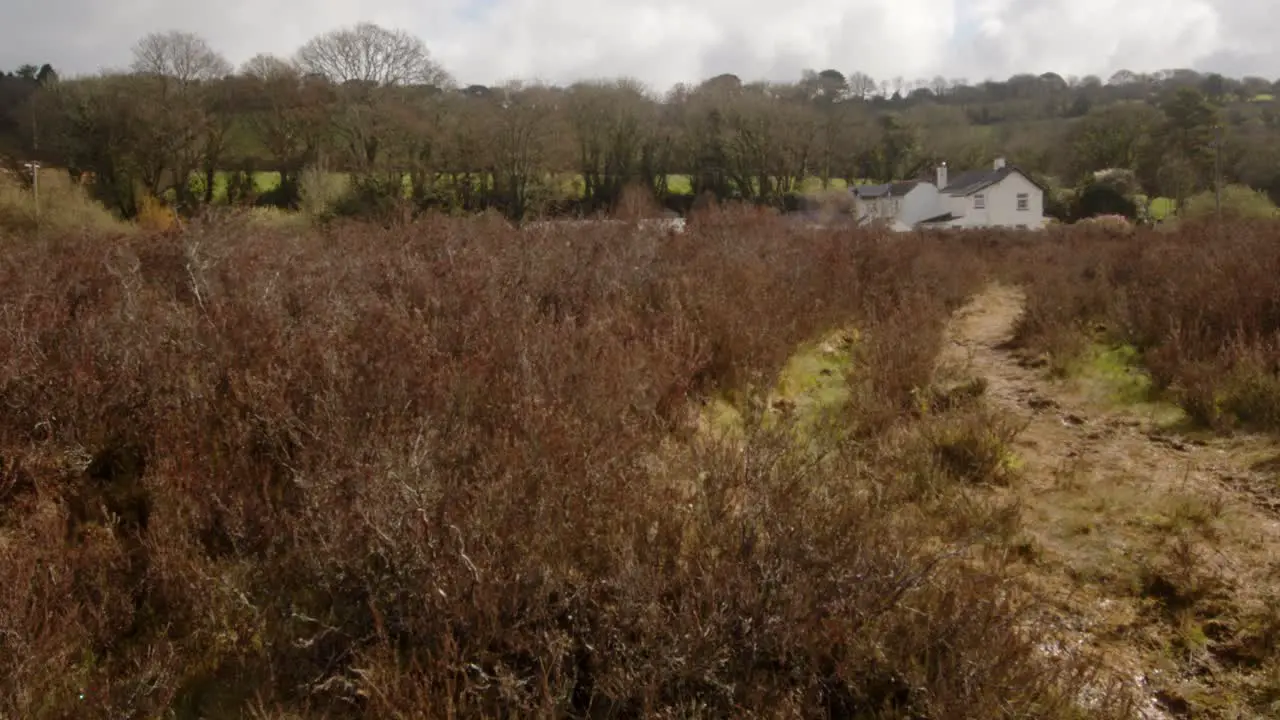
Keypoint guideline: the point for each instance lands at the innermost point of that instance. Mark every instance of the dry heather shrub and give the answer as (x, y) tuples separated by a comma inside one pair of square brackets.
[(1117, 225), (277, 218), (154, 215), (637, 203), (1068, 291), (426, 472), (1201, 305), (974, 447)]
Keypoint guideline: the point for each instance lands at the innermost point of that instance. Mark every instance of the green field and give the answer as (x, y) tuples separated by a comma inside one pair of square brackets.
[(1159, 208), (1162, 207), (570, 183)]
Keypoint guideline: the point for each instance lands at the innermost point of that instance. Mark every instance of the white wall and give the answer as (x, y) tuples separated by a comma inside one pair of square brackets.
[(864, 208), (962, 208), (920, 204), (1000, 205), (880, 208)]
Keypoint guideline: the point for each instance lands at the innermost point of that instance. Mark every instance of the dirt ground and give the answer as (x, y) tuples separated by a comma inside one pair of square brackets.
[(1158, 547)]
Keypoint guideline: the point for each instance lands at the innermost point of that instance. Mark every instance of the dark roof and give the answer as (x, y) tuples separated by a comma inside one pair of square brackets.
[(870, 191), (967, 183), (897, 189), (944, 217)]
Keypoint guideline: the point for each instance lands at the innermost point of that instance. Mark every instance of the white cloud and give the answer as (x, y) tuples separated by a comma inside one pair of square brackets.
[(683, 40), (666, 41), (1090, 36)]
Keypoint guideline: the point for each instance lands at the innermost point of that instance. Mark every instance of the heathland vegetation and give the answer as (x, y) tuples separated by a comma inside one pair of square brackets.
[(420, 465)]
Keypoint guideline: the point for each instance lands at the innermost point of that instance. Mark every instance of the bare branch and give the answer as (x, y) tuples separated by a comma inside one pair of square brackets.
[(183, 56), (368, 53), (267, 67)]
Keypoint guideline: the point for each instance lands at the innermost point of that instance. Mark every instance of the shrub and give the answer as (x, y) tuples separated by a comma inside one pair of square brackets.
[(636, 202), (242, 189), (1239, 202), (320, 191), (1111, 223), (1201, 307), (375, 197), (974, 447), (154, 214), (1108, 196), (273, 217), (430, 471), (64, 206)]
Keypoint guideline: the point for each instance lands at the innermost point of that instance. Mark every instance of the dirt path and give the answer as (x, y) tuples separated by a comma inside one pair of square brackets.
[(1160, 552)]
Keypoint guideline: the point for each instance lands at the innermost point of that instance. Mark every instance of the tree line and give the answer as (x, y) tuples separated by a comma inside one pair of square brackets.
[(373, 103)]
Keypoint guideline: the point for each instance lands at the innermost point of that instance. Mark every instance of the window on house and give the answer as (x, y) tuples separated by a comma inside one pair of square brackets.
[(979, 201), (1024, 202)]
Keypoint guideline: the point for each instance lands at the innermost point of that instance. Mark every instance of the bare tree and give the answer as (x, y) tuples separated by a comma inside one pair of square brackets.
[(861, 85), (525, 130), (612, 125), (368, 53), (268, 67), (182, 56), (181, 78), (289, 115)]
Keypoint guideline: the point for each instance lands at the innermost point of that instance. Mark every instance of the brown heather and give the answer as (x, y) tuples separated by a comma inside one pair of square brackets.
[(1200, 305), (447, 470)]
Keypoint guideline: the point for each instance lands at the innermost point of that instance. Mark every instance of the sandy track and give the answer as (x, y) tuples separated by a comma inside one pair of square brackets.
[(1104, 494)]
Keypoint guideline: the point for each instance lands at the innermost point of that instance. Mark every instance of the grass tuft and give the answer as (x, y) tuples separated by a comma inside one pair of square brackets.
[(60, 207)]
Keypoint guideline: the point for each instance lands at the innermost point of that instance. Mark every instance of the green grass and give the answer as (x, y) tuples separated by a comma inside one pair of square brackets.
[(809, 392), (262, 182), (1113, 375), (1162, 207), (814, 376), (721, 419), (569, 183), (680, 184), (1116, 370), (812, 388)]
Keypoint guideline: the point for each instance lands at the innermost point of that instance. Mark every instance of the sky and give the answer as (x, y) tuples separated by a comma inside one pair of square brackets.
[(662, 42)]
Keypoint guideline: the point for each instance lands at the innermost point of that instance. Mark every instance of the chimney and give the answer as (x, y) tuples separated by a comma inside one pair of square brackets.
[(942, 176), (999, 164)]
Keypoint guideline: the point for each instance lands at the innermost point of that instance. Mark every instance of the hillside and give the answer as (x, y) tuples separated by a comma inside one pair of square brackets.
[(213, 134)]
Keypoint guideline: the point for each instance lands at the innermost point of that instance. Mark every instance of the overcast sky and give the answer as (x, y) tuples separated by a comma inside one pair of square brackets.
[(666, 41)]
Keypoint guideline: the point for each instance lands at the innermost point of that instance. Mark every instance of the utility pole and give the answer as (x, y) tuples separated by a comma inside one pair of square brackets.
[(34, 167), (1217, 173)]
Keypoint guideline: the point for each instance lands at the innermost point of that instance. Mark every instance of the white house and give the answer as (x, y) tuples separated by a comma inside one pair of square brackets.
[(901, 204), (1003, 196)]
